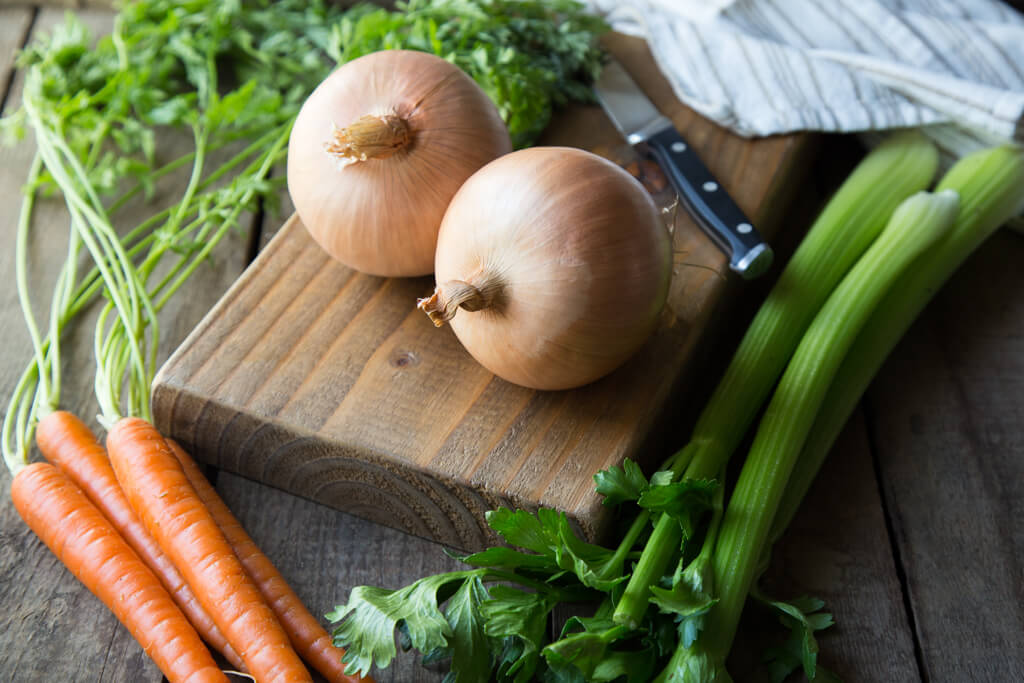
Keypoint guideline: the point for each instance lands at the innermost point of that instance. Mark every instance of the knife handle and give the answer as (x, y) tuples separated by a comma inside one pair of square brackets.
[(710, 205)]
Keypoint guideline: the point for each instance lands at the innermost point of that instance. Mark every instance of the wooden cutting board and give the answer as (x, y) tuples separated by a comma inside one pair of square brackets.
[(328, 383)]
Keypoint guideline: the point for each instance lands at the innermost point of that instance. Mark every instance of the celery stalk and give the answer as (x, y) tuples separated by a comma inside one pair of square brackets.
[(900, 166), (916, 225), (991, 187)]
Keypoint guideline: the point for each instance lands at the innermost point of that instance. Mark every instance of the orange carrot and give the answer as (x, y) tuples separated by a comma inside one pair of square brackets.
[(160, 493), (307, 635), (68, 443), (84, 540)]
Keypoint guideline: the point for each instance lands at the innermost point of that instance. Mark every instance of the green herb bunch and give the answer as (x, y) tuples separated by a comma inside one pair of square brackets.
[(529, 56), (234, 69)]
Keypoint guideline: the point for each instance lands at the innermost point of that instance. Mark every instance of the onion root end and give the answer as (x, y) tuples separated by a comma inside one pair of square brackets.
[(369, 137)]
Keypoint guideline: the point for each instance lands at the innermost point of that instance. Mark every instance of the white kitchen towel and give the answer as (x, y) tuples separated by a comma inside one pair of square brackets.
[(955, 67)]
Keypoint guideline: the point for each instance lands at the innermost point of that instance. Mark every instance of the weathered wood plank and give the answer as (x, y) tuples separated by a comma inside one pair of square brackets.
[(51, 627), (330, 384), (947, 414)]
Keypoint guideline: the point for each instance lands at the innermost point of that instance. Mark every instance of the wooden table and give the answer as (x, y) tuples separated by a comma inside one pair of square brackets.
[(911, 534)]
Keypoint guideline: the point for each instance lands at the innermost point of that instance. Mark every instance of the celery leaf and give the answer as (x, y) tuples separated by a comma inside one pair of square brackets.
[(684, 501), (549, 534), (689, 599), (468, 645), (366, 624), (800, 649), (519, 619), (621, 484), (591, 653), (507, 558)]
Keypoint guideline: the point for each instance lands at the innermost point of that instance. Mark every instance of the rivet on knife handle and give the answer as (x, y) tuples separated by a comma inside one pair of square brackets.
[(710, 205)]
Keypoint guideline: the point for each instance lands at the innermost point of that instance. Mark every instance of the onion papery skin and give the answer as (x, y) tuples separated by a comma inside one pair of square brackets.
[(575, 260), (381, 215)]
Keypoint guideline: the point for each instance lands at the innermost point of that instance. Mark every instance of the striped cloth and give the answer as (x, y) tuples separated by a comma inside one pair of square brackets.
[(953, 67)]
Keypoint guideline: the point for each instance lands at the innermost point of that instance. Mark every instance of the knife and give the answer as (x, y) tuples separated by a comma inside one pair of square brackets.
[(711, 207)]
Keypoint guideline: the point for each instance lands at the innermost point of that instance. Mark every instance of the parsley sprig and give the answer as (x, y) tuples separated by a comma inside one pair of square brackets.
[(529, 56)]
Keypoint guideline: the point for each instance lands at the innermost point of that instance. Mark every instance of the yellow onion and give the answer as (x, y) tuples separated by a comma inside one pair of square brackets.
[(380, 148), (559, 262)]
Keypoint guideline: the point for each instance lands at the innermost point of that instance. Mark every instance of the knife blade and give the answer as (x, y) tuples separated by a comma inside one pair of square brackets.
[(711, 207)]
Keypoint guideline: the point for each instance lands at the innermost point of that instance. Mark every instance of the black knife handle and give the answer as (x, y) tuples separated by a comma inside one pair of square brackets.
[(710, 205)]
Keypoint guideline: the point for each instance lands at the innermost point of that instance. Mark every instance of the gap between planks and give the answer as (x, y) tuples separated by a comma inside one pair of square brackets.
[(865, 406)]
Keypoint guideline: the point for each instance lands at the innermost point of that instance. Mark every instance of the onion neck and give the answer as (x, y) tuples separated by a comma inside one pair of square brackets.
[(369, 137), (448, 297)]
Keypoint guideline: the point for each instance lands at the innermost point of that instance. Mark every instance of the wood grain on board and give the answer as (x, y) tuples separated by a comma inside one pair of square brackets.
[(330, 384)]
